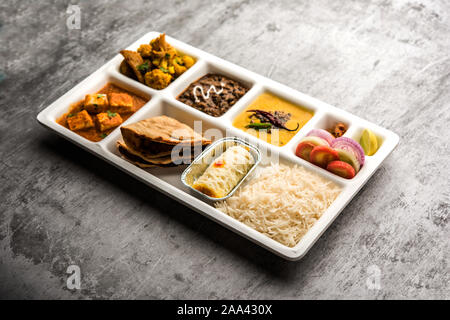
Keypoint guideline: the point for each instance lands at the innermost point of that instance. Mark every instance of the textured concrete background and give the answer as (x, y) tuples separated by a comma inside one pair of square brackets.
[(386, 61)]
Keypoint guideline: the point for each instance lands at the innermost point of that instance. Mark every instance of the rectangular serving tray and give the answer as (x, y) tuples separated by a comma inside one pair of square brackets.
[(163, 102)]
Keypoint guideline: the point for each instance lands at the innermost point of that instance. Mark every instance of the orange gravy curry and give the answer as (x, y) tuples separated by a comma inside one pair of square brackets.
[(94, 134)]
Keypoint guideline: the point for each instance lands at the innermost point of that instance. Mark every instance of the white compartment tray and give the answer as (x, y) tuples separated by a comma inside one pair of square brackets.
[(167, 180)]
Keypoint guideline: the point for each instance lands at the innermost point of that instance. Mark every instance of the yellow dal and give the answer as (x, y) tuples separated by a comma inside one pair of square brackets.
[(270, 102)]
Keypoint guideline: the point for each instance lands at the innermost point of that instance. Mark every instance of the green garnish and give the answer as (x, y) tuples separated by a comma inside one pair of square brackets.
[(111, 114), (178, 61), (167, 55), (277, 118), (103, 135), (259, 126), (144, 67), (70, 115), (163, 69), (100, 95)]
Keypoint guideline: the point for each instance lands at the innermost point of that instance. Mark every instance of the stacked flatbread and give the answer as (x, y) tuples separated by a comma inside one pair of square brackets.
[(159, 141)]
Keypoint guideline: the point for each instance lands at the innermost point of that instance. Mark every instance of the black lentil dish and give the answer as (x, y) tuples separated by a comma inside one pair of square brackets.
[(213, 94)]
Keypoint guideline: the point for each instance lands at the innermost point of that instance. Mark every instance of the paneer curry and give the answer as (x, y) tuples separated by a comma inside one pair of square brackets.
[(100, 113), (156, 64)]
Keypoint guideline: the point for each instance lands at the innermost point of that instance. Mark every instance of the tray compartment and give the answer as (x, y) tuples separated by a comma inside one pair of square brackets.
[(182, 48), (329, 120), (327, 214), (210, 68), (357, 132), (94, 85), (325, 120), (260, 90)]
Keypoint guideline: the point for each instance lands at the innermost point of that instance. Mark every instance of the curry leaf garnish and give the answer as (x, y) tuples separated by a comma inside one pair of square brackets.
[(163, 69), (144, 67), (70, 115), (178, 61), (111, 114), (272, 119)]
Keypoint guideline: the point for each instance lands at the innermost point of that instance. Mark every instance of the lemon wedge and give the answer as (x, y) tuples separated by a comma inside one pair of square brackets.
[(369, 142)]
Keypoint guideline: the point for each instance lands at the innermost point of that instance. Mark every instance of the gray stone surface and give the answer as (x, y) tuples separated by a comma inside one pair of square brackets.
[(386, 61)]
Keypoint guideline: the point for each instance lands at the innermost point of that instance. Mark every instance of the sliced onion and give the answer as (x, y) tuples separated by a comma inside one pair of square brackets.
[(348, 144), (349, 157), (325, 135), (316, 141)]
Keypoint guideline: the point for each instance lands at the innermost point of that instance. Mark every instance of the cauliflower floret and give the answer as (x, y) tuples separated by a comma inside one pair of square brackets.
[(145, 50), (161, 47), (157, 79), (178, 68), (188, 61), (171, 53), (163, 64)]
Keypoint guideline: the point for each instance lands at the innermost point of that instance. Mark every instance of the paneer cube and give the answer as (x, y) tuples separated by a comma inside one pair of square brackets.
[(121, 102), (96, 103), (79, 121), (108, 120)]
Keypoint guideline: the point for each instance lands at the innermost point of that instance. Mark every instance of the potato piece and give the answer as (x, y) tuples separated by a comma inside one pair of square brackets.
[(157, 79), (178, 68), (121, 102), (95, 103), (108, 120), (126, 70), (81, 120), (188, 61), (145, 50)]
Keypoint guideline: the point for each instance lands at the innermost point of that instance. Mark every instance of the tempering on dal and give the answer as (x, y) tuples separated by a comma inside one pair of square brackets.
[(272, 119)]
